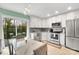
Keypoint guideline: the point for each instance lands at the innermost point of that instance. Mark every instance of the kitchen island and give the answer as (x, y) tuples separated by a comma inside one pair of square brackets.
[(32, 47)]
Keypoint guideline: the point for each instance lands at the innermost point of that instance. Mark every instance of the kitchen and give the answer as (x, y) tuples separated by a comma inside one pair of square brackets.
[(55, 28)]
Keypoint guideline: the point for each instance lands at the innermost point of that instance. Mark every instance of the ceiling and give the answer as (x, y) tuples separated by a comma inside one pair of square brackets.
[(40, 9)]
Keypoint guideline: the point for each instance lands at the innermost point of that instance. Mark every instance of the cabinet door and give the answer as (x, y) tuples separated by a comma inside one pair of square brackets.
[(77, 28), (69, 42), (70, 28), (44, 36)]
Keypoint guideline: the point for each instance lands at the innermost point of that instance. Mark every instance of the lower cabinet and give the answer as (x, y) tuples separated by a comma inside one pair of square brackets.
[(44, 35), (72, 43)]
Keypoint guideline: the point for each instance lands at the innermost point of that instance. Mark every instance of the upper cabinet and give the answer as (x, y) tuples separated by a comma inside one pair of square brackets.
[(63, 20), (50, 21), (70, 15), (54, 20), (44, 23), (38, 23), (35, 22), (58, 18), (76, 14)]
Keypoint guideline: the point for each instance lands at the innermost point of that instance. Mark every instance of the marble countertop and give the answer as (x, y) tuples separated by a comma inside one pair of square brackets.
[(29, 47)]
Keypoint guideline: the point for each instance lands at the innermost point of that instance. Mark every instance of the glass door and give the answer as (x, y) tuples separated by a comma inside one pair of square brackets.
[(14, 30)]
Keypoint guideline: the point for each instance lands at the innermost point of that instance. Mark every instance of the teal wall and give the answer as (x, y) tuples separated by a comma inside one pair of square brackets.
[(13, 13)]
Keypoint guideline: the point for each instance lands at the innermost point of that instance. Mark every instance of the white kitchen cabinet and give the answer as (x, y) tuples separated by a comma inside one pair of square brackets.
[(50, 21), (58, 18), (63, 20), (35, 22), (76, 14), (70, 15), (44, 23), (44, 35), (54, 20), (62, 37), (38, 23)]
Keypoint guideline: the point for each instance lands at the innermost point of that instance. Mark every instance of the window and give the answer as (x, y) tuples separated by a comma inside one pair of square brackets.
[(14, 29), (9, 28), (21, 28)]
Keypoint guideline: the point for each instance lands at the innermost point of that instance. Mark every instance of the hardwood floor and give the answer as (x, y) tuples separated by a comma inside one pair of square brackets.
[(54, 50)]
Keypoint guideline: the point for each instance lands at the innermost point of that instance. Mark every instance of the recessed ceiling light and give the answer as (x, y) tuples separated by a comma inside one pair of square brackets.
[(48, 14), (69, 8), (56, 12)]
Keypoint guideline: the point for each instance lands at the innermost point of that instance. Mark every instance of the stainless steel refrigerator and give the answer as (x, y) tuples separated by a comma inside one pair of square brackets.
[(72, 34)]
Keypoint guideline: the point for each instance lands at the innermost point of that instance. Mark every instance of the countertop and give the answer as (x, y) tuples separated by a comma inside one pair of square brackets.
[(29, 47)]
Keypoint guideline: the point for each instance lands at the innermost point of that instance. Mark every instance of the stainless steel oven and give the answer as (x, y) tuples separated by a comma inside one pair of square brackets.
[(54, 36), (55, 31)]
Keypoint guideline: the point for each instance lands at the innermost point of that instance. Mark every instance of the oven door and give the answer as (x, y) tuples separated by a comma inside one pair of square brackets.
[(54, 37)]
